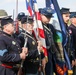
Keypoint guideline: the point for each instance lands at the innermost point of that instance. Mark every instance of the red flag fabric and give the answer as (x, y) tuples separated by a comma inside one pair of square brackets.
[(38, 28)]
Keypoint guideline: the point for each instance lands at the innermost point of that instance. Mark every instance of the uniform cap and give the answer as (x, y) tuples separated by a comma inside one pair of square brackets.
[(27, 19), (47, 12), (20, 15), (72, 14), (6, 20), (3, 14), (64, 10)]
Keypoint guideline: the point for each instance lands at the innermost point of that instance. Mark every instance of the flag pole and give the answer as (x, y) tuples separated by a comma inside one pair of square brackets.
[(16, 8), (37, 15), (17, 28), (13, 14)]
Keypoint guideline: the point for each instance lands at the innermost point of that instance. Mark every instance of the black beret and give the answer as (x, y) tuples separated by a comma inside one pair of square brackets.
[(20, 15), (6, 20), (47, 12), (72, 14), (27, 19), (64, 10)]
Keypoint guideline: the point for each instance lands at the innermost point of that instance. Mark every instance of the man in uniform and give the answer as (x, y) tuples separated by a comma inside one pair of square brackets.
[(10, 51), (31, 63), (46, 15), (66, 16), (67, 45), (72, 29)]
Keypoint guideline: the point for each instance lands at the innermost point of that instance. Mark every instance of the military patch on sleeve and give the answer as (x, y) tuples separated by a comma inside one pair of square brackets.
[(3, 51)]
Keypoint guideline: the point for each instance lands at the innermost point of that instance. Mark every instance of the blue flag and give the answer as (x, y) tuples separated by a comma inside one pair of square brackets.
[(60, 36)]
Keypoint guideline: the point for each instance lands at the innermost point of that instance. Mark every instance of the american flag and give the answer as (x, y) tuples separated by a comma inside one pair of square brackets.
[(38, 28)]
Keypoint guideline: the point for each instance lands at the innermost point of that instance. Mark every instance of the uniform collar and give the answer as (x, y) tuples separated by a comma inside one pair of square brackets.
[(6, 33)]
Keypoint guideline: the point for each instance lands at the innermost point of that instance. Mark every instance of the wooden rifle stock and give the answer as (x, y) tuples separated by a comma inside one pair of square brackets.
[(20, 71)]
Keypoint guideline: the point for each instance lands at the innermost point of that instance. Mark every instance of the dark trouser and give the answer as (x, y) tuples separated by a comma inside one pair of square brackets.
[(6, 71), (74, 70), (49, 65)]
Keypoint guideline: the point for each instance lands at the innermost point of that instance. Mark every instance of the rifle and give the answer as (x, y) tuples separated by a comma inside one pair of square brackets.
[(20, 72)]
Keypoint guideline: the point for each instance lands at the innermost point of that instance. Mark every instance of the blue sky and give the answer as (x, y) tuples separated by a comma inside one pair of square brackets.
[(10, 5)]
